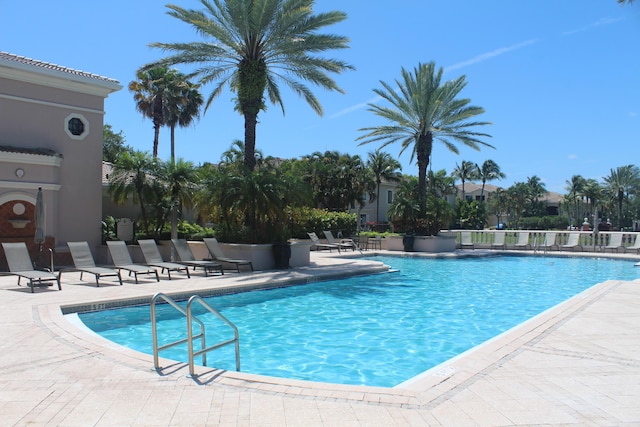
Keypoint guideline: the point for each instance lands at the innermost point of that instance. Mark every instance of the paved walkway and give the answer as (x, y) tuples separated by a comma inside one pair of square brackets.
[(577, 364)]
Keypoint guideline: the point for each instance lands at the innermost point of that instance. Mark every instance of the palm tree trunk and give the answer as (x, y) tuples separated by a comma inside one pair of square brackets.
[(250, 122), (173, 144), (156, 138), (378, 203), (423, 150)]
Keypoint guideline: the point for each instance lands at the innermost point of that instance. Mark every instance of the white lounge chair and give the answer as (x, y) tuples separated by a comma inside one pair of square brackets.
[(84, 263), (318, 245), (498, 240), (635, 246), (523, 240), (549, 240), (572, 242), (615, 242), (20, 265), (153, 258), (216, 252), (466, 240), (122, 260), (186, 257), (342, 243)]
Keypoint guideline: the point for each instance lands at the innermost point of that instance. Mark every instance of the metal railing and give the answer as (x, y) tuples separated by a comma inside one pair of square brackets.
[(190, 336)]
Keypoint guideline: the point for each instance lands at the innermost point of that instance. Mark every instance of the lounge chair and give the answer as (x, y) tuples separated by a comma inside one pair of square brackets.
[(122, 260), (498, 240), (186, 257), (465, 240), (342, 244), (572, 242), (153, 258), (549, 240), (635, 246), (615, 242), (84, 263), (318, 245), (374, 243), (20, 265), (217, 254), (523, 240)]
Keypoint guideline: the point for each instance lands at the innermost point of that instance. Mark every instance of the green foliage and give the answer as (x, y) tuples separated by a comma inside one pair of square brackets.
[(108, 229), (471, 214), (113, 144), (547, 222)]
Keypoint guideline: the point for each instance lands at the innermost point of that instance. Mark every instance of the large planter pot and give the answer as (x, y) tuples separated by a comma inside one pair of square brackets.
[(281, 255), (407, 242)]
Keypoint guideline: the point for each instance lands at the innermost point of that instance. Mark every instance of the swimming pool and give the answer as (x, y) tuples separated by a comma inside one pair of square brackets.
[(376, 330)]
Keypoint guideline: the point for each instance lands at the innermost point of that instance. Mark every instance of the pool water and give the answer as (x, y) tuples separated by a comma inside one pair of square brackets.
[(378, 330)]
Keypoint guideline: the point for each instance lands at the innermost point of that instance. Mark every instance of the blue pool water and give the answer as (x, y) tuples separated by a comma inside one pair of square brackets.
[(376, 330)]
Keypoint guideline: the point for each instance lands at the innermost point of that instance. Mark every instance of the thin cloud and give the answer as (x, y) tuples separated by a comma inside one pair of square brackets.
[(474, 60), (489, 55), (355, 107), (572, 156), (599, 23)]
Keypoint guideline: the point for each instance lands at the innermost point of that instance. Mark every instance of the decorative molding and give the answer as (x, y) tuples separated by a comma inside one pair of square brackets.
[(31, 159), (84, 121), (58, 79), (15, 185), (52, 104)]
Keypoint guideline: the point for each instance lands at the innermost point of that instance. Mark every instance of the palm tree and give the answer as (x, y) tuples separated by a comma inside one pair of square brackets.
[(489, 171), (253, 45), (384, 167), (133, 176), (183, 107), (440, 184), (466, 171), (424, 109), (180, 178), (575, 187), (152, 92), (621, 182)]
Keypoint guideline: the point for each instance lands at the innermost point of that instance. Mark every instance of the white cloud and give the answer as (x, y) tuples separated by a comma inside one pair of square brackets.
[(572, 156), (355, 107), (492, 54), (599, 23)]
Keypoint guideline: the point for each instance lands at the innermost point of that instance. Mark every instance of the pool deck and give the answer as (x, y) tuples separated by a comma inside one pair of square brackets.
[(577, 364)]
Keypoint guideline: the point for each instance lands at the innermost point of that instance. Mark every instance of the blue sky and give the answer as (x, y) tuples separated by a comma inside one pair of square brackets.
[(559, 80)]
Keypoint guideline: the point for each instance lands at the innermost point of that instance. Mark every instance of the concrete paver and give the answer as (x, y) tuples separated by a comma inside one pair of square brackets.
[(576, 364)]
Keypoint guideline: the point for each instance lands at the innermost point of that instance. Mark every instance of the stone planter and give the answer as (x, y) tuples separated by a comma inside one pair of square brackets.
[(262, 255), (431, 244)]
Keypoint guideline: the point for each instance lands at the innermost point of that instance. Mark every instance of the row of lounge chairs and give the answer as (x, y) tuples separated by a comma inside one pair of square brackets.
[(549, 242), (332, 242), (20, 263)]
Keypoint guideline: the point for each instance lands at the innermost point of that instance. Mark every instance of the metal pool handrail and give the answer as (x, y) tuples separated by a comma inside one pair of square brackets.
[(204, 350), (154, 329), (190, 337)]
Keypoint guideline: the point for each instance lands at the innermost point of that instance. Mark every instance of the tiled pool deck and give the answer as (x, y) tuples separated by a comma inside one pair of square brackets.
[(576, 364)]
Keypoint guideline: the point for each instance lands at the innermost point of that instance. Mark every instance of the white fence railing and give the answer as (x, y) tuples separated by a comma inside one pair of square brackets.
[(588, 241)]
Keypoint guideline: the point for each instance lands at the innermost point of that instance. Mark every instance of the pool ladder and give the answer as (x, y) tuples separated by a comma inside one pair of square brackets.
[(190, 337)]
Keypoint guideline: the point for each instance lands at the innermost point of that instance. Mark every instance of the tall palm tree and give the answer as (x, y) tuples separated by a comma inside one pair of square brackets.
[(466, 171), (183, 107), (592, 192), (384, 168), (489, 171), (253, 45), (424, 109), (575, 187), (440, 184), (152, 92), (621, 182)]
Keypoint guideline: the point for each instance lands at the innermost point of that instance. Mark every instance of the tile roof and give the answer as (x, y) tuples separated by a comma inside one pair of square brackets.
[(10, 57)]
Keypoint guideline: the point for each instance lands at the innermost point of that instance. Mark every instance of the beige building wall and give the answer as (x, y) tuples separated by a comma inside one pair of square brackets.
[(39, 101)]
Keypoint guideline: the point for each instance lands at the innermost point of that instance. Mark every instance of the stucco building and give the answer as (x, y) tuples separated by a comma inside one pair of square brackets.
[(51, 138)]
